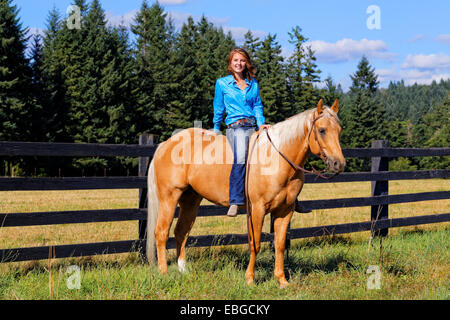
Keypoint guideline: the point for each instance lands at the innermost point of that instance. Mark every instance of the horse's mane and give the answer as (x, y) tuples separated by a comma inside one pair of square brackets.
[(286, 131)]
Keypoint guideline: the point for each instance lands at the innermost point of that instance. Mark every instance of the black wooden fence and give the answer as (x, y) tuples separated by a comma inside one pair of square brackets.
[(379, 201)]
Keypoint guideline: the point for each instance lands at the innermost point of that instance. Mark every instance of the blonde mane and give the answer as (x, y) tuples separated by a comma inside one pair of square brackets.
[(286, 131)]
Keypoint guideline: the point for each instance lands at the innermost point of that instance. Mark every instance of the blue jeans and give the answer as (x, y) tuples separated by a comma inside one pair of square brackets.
[(239, 137)]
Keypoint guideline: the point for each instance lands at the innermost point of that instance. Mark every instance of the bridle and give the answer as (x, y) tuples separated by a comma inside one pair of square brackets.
[(321, 154), (296, 167)]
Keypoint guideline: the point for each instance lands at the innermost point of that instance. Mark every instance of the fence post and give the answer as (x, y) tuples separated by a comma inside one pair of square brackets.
[(144, 139), (380, 188)]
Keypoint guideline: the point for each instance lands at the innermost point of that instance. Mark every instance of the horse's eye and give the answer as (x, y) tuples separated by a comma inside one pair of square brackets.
[(322, 131)]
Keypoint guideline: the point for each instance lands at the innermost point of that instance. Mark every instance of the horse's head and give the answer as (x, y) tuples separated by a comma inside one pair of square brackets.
[(324, 136)]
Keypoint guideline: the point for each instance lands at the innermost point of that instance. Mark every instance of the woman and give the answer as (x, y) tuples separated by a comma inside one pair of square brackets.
[(238, 95)]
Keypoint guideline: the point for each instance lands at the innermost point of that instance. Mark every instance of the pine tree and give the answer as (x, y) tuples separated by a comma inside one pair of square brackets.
[(302, 73), (331, 92), (437, 134), (153, 67), (201, 53), (182, 104), (15, 77), (272, 81), (365, 118), (55, 104), (311, 77), (252, 46), (39, 124)]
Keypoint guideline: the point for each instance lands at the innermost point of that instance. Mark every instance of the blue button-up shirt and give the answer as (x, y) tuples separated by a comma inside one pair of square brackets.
[(237, 103)]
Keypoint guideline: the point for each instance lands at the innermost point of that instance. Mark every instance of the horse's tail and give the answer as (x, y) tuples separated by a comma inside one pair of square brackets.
[(152, 214)]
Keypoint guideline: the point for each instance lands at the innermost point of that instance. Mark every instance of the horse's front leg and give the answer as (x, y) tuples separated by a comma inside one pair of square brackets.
[(255, 224), (281, 223)]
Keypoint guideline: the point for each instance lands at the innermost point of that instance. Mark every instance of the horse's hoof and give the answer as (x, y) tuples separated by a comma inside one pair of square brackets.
[(163, 270), (284, 284), (249, 279)]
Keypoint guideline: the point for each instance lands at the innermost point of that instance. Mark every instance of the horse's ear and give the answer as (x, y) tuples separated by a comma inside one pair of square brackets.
[(335, 106), (320, 107)]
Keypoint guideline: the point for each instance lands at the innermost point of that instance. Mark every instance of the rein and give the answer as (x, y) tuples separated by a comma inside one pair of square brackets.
[(292, 164), (297, 167)]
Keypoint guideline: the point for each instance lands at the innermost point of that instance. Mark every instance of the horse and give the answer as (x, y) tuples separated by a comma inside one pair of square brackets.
[(192, 165)]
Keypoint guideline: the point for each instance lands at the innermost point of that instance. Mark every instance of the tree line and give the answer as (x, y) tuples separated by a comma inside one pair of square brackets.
[(105, 84)]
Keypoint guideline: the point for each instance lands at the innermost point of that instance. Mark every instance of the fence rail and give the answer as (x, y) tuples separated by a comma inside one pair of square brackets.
[(88, 183), (379, 201)]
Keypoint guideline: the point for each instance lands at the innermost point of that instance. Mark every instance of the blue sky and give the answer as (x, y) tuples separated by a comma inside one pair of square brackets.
[(407, 40)]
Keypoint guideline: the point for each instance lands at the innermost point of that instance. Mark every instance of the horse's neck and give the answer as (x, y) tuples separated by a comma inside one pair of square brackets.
[(298, 150), (293, 138)]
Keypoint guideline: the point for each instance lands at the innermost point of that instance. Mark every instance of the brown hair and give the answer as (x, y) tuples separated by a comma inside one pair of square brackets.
[(250, 70)]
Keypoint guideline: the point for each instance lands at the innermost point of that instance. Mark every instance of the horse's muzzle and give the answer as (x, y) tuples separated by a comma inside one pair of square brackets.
[(335, 165)]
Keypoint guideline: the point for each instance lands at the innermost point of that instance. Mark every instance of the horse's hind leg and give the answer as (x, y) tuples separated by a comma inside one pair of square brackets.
[(167, 206), (189, 203)]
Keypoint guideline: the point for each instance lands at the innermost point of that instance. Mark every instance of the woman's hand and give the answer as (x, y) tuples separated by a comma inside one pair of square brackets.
[(264, 126), (209, 132)]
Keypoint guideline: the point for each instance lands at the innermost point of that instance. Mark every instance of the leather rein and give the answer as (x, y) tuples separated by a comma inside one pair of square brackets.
[(292, 164), (321, 154)]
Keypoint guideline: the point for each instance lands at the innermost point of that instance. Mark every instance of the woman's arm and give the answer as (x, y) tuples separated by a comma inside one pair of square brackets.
[(219, 107), (258, 108)]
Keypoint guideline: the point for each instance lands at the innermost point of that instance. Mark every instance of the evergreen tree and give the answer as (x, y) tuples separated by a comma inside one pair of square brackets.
[(55, 107), (181, 108), (153, 67), (213, 47), (302, 73), (16, 100), (365, 120), (331, 92), (252, 46), (272, 81), (201, 55), (437, 130), (39, 124), (15, 77)]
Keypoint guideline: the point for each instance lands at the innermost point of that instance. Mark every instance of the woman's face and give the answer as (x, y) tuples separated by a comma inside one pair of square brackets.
[(238, 63)]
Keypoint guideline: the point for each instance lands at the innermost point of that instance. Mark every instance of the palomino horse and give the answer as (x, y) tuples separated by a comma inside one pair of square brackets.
[(192, 165)]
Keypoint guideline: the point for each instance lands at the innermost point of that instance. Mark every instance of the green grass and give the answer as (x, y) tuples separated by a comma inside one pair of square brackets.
[(414, 261), (413, 264)]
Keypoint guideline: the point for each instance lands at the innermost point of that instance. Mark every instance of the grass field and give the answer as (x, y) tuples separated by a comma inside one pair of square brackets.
[(414, 262)]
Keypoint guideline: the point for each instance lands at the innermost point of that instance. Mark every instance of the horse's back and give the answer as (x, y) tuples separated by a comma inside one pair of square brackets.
[(191, 158)]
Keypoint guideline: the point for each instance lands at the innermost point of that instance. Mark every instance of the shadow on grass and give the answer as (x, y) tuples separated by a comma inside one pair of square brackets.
[(294, 264)]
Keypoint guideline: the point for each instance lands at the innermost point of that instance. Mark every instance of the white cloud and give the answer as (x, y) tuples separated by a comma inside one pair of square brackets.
[(35, 31), (238, 33), (349, 50), (420, 68), (179, 19), (172, 2), (411, 76), (417, 37), (121, 20), (444, 38), (431, 61)]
